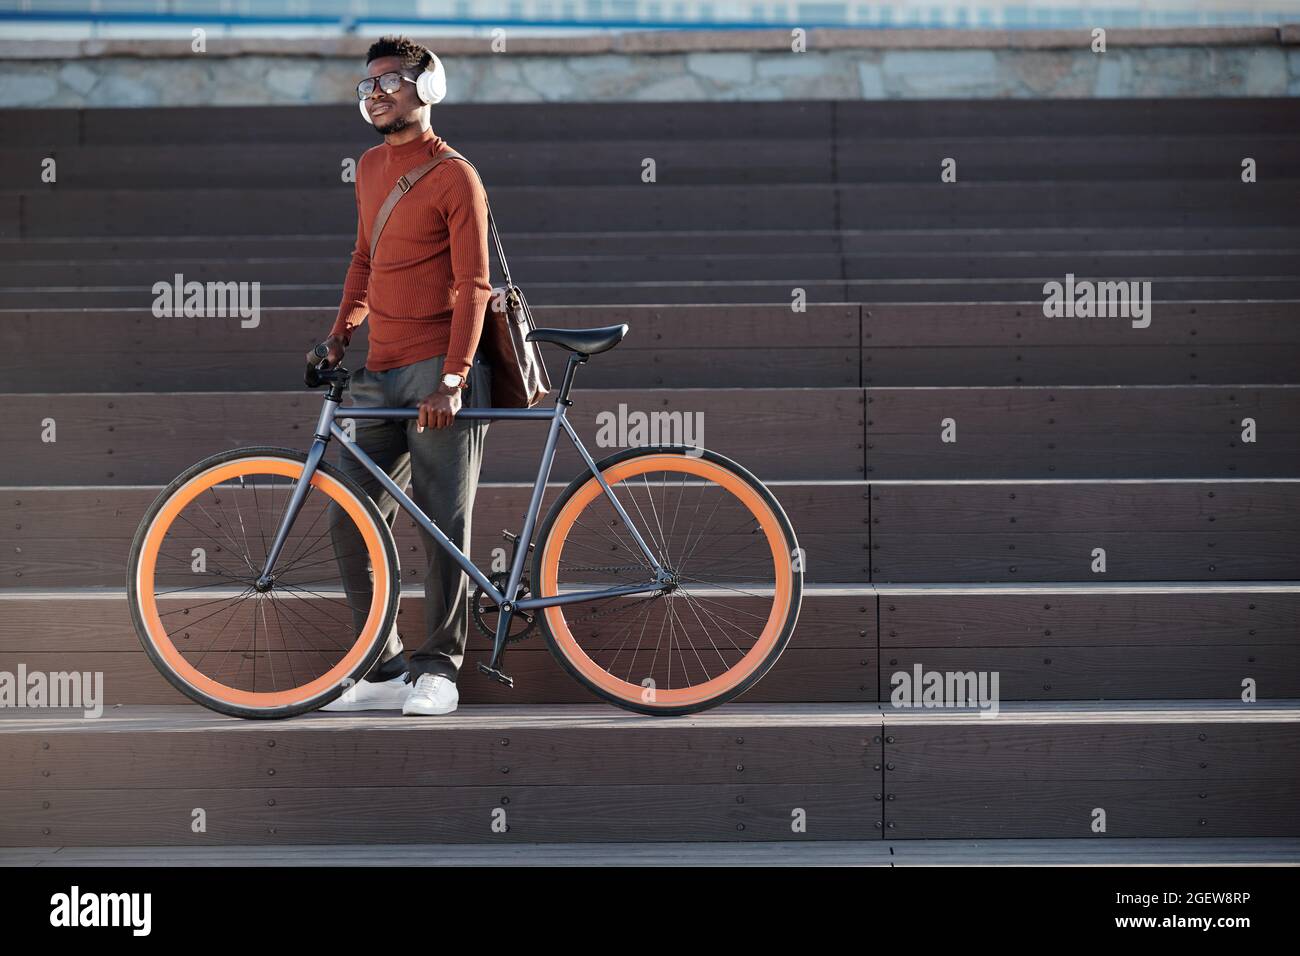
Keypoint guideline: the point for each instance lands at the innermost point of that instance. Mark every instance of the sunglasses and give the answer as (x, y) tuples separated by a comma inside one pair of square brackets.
[(388, 82)]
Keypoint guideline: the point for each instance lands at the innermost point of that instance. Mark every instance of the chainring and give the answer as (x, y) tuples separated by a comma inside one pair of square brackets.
[(485, 611)]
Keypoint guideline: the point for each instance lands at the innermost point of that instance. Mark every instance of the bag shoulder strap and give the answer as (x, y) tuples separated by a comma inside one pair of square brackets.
[(402, 187), (409, 179)]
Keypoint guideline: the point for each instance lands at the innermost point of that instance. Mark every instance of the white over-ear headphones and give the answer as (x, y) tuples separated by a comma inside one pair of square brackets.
[(430, 86)]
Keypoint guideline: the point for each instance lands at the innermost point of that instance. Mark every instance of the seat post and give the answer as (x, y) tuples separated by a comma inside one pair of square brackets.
[(570, 367)]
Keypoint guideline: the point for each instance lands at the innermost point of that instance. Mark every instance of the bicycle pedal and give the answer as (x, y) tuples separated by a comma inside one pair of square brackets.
[(496, 674)]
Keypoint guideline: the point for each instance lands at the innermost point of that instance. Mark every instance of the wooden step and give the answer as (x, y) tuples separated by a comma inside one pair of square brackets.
[(55, 212), (1189, 851), (695, 346), (711, 159), (831, 345), (768, 291), (885, 531), (662, 121), (1079, 240), (681, 267), (1046, 642), (1072, 432), (142, 776)]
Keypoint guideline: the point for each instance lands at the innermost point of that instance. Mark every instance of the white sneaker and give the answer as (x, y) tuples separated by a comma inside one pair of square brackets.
[(372, 695), (432, 694)]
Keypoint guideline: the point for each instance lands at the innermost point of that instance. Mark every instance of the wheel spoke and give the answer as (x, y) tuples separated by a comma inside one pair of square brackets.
[(237, 645), (714, 542)]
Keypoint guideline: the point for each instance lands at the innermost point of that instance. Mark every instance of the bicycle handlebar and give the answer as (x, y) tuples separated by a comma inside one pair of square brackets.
[(317, 374)]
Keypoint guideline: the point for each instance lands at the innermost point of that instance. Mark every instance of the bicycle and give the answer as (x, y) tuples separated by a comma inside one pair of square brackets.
[(708, 615)]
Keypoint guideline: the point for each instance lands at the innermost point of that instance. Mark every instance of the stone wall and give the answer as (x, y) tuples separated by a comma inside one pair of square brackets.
[(724, 65)]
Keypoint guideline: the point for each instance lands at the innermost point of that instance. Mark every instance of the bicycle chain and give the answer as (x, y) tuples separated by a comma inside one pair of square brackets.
[(618, 608), (611, 567)]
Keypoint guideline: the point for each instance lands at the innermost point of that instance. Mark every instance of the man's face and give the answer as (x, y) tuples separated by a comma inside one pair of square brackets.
[(392, 112)]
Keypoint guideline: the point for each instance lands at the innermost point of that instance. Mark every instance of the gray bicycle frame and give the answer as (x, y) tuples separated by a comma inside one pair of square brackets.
[(327, 428)]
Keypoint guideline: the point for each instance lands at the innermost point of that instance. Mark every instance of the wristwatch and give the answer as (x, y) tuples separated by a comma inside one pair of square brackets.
[(451, 384)]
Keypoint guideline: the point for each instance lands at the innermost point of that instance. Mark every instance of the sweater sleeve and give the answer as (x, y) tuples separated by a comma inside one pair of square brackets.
[(465, 208), (354, 308)]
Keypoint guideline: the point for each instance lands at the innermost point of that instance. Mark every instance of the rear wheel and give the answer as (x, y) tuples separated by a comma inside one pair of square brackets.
[(717, 627), (238, 650)]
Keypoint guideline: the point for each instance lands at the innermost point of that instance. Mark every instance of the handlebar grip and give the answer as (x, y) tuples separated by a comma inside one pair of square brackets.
[(312, 377)]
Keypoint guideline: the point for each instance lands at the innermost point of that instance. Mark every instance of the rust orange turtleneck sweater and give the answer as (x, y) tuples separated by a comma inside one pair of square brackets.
[(427, 287)]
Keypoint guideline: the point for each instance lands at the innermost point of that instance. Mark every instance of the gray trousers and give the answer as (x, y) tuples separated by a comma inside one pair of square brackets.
[(439, 469)]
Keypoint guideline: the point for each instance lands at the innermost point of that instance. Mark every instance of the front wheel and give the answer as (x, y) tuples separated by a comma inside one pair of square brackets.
[(270, 652), (734, 595)]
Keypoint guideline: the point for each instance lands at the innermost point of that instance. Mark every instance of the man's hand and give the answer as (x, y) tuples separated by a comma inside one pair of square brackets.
[(333, 357), (438, 409)]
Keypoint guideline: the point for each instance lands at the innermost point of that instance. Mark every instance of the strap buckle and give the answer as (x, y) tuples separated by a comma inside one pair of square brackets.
[(404, 184)]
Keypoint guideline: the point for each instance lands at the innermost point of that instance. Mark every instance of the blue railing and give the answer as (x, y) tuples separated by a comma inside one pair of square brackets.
[(361, 15)]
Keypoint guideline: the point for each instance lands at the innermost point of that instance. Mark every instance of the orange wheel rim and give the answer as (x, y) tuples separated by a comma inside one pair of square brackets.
[(772, 628), (163, 643)]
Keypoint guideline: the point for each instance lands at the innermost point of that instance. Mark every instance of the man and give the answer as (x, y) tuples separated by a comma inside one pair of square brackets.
[(425, 293)]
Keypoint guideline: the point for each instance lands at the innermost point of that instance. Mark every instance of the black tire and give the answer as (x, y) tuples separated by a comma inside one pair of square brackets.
[(791, 545), (195, 694)]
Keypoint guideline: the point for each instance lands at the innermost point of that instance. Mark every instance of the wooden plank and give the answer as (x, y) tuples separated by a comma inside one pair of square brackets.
[(591, 718), (1089, 457), (208, 370), (817, 675), (1200, 851), (1080, 240), (287, 757), (1093, 616), (73, 514), (1276, 851), (1078, 432), (1061, 157), (360, 814), (802, 675), (682, 266), (219, 211), (1074, 506), (1061, 809), (654, 328), (909, 345), (1080, 118), (1156, 265), (774, 291), (1055, 672), (710, 159), (339, 245), (1112, 741), (1221, 772), (143, 212), (582, 161), (122, 439), (1061, 556), (1056, 204), (1132, 365), (470, 121), (887, 327), (81, 537), (719, 346), (45, 127), (74, 621)]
